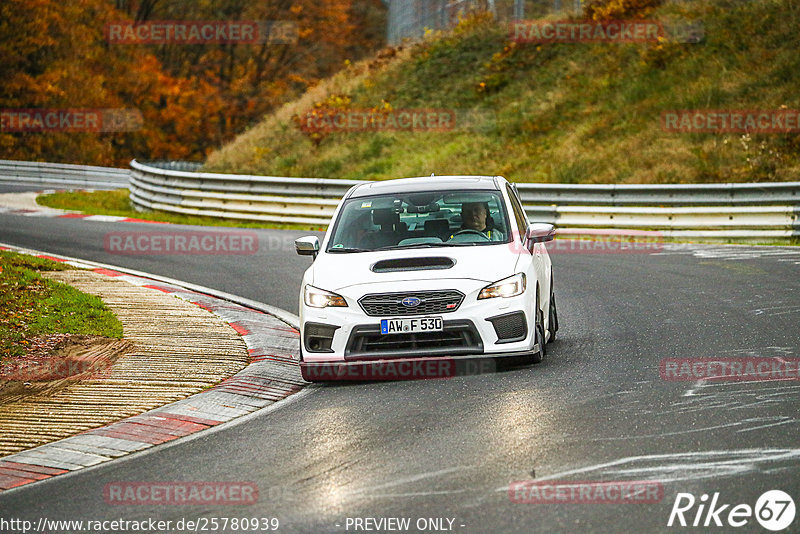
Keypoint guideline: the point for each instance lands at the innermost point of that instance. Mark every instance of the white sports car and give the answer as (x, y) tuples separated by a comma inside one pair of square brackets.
[(440, 268)]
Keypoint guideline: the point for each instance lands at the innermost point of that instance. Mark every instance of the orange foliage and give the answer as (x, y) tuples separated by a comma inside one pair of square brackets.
[(619, 9), (192, 98)]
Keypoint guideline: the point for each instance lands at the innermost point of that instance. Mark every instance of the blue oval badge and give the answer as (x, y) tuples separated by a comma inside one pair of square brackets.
[(410, 302)]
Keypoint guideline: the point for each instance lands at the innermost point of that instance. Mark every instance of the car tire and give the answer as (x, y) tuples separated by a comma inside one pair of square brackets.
[(306, 377), (538, 356), (552, 320), (303, 374), (309, 377)]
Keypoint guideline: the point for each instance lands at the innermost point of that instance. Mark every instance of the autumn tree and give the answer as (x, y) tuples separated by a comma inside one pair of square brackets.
[(192, 98)]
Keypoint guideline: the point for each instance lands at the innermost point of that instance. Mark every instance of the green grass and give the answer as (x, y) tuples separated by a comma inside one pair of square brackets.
[(573, 113), (105, 202), (117, 203), (31, 305)]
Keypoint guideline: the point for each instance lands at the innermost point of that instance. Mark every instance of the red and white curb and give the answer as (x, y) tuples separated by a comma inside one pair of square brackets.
[(272, 375), (61, 215), (24, 206)]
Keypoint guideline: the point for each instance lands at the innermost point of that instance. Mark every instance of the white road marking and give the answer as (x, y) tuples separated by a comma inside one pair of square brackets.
[(676, 467), (732, 252)]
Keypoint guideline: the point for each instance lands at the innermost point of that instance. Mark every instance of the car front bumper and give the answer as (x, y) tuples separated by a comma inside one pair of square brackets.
[(488, 327)]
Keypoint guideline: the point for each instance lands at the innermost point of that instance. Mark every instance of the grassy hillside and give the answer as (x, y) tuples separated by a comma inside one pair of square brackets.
[(568, 112)]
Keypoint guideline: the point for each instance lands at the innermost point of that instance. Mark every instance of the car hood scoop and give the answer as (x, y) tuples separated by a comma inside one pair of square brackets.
[(412, 264), (337, 272)]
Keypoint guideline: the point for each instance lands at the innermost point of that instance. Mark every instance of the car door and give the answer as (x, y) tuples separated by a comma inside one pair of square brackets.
[(538, 270)]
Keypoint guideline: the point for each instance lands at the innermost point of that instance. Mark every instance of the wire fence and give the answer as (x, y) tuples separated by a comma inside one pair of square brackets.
[(410, 19)]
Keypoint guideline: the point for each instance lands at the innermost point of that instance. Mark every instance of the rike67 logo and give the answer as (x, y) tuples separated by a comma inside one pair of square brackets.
[(774, 510)]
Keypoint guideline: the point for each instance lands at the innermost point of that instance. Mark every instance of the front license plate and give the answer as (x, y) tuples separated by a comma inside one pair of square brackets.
[(411, 326)]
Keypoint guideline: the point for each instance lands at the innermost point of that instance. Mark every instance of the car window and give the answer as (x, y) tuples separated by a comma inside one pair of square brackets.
[(418, 220), (519, 212)]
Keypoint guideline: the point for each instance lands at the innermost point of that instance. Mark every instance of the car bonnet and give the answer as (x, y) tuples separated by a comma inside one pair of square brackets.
[(486, 263)]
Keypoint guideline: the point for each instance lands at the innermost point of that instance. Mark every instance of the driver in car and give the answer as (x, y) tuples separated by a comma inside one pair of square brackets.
[(475, 216)]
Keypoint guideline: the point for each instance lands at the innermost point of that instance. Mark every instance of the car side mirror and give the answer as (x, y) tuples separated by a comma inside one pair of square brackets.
[(307, 246), (539, 233)]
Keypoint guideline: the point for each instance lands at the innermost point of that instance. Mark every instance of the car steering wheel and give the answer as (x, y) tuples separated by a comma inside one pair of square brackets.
[(471, 231)]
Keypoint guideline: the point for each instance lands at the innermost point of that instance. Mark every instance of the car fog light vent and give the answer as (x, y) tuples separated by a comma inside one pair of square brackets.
[(318, 337), (510, 327)]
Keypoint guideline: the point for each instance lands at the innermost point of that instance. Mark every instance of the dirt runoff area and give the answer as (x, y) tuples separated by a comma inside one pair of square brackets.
[(56, 361), (66, 385)]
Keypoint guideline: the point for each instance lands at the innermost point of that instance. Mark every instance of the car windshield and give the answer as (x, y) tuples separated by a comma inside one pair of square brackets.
[(419, 220)]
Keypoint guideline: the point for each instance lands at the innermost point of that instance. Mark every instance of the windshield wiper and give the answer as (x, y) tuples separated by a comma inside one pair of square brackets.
[(413, 245), (348, 249), (345, 250)]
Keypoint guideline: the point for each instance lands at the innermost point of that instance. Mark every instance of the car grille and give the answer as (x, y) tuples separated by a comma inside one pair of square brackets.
[(457, 337), (390, 304)]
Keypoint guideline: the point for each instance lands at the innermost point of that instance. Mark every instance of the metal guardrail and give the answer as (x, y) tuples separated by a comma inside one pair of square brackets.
[(236, 196), (662, 195), (63, 174), (727, 211)]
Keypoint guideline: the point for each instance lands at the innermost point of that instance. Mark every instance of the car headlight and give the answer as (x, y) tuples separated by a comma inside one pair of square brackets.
[(507, 287), (319, 298)]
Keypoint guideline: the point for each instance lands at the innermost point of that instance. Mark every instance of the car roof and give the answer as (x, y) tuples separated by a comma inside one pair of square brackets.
[(425, 183)]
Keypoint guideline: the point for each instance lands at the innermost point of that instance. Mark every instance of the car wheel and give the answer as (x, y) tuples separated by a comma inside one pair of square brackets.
[(309, 376), (538, 356), (552, 320)]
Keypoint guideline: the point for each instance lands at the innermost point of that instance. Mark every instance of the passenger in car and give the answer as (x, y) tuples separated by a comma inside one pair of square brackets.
[(437, 228), (391, 229)]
